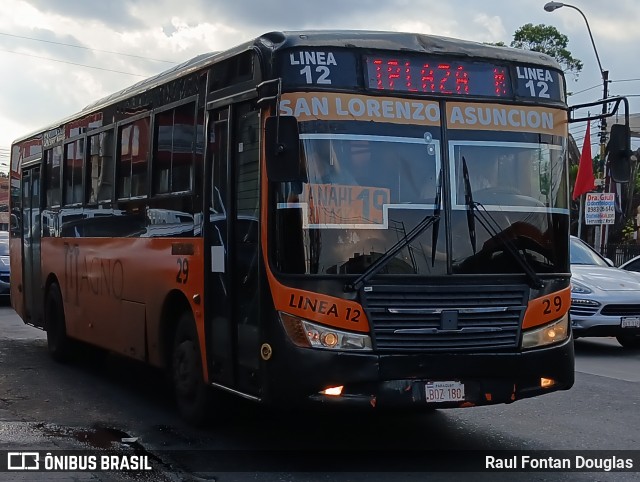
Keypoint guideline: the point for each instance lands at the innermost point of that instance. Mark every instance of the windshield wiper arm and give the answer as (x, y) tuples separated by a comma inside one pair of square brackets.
[(379, 263), (468, 200), (423, 225), (489, 223), (436, 214)]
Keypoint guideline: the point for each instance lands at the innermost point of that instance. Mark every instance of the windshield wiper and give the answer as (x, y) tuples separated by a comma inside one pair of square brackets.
[(489, 223), (422, 226), (468, 200), (436, 214)]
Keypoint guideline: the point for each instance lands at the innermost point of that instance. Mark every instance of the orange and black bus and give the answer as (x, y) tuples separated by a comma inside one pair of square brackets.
[(346, 217)]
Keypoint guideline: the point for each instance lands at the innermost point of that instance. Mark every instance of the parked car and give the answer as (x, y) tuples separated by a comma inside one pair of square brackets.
[(5, 268), (632, 265), (605, 301)]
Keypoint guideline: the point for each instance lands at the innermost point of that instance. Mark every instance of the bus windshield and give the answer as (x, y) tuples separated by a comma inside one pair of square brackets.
[(365, 192)]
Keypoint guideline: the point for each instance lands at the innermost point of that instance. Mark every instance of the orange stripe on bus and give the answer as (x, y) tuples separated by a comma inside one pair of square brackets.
[(547, 308), (324, 309)]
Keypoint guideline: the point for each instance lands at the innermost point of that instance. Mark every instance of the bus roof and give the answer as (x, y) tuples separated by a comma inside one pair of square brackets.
[(407, 42), (278, 40)]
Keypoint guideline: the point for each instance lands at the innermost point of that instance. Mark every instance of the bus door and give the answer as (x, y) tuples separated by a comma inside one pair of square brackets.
[(31, 242), (233, 235)]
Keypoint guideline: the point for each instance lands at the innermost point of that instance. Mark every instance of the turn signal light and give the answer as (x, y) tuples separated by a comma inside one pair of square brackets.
[(333, 391), (547, 382)]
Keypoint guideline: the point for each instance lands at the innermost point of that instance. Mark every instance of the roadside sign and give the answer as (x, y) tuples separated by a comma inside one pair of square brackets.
[(600, 208)]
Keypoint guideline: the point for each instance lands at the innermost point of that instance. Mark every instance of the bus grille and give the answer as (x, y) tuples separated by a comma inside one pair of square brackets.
[(436, 318)]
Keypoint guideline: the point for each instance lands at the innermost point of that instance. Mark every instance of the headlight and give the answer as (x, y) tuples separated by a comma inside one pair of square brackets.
[(311, 335), (577, 302), (552, 333), (580, 288)]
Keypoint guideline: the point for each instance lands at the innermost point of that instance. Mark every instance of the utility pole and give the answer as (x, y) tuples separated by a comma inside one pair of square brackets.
[(601, 238), (603, 145)]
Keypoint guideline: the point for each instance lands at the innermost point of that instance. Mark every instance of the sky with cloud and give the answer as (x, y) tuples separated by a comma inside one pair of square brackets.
[(59, 55)]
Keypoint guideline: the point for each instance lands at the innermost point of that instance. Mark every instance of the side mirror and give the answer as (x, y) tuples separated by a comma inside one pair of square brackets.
[(282, 147), (619, 153)]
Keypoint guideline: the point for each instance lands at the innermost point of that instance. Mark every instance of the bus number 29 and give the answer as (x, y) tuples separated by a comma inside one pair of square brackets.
[(552, 306), (183, 271)]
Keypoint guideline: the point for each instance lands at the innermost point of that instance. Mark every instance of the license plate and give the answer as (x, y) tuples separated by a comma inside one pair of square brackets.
[(445, 391), (630, 322)]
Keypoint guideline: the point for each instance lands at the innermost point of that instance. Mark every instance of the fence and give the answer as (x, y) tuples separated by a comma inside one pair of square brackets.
[(619, 253)]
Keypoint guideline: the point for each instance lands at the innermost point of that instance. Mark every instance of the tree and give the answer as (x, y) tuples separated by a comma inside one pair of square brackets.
[(548, 40)]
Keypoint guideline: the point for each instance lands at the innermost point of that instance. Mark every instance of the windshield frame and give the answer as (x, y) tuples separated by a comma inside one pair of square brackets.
[(458, 202), (551, 220), (388, 206)]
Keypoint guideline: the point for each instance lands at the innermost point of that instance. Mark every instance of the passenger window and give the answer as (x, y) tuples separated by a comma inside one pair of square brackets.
[(72, 175), (134, 159), (175, 142), (53, 163), (99, 183)]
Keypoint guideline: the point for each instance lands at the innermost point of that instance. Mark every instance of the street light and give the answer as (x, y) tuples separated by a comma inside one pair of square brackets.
[(550, 7)]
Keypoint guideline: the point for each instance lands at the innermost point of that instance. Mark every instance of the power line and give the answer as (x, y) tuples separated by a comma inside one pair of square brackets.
[(73, 63), (625, 80), (87, 48), (600, 85), (585, 90)]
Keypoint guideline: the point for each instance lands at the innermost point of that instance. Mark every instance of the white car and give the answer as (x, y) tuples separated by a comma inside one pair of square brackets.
[(632, 265), (605, 301)]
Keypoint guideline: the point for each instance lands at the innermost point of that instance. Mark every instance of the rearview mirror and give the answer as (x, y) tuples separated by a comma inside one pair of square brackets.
[(282, 147), (619, 153)]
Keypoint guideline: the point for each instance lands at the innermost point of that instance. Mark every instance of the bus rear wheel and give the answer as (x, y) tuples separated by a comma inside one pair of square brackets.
[(191, 393), (58, 343)]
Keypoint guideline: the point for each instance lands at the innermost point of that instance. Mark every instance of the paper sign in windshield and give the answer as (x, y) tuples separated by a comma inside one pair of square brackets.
[(342, 206), (345, 206)]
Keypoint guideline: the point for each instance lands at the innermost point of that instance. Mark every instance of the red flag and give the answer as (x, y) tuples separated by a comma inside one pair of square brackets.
[(585, 180)]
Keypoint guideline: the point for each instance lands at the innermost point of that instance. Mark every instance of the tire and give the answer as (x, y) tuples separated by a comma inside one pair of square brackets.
[(191, 393), (630, 342), (59, 344)]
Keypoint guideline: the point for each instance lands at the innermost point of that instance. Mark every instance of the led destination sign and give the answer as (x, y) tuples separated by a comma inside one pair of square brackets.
[(419, 74), (437, 76)]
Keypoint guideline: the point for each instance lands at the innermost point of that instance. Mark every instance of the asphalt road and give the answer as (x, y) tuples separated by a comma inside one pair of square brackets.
[(122, 406)]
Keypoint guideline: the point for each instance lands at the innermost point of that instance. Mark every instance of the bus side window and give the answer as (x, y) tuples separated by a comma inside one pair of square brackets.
[(99, 182), (53, 163), (174, 149), (134, 159), (72, 173)]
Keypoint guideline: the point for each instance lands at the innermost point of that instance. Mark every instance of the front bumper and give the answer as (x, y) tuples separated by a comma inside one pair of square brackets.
[(585, 323), (399, 380)]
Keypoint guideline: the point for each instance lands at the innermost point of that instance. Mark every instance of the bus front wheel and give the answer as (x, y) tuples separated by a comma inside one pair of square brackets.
[(191, 393), (58, 342)]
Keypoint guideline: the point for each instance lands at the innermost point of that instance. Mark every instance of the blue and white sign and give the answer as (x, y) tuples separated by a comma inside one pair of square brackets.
[(600, 208)]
